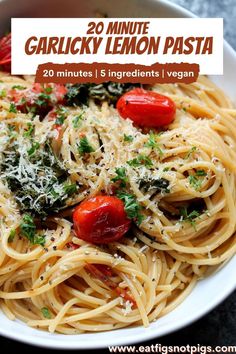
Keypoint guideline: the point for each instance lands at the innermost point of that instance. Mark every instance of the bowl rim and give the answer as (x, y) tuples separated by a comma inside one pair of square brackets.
[(54, 343)]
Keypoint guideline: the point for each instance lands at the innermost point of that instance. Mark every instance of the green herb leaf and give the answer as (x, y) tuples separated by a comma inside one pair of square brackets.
[(28, 229), (121, 176), (128, 138), (60, 120), (70, 188), (12, 235), (42, 100), (194, 148), (34, 147), (61, 115), (132, 207), (151, 143), (18, 87), (76, 121), (84, 146), (29, 132), (195, 182), (48, 90), (12, 108), (201, 173), (140, 160), (46, 313), (189, 217), (3, 93), (39, 240), (12, 130)]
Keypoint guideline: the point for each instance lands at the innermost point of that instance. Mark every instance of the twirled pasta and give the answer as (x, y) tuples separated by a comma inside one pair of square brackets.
[(160, 260)]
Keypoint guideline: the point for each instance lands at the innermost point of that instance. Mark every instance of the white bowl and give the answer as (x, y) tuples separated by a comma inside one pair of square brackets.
[(209, 292)]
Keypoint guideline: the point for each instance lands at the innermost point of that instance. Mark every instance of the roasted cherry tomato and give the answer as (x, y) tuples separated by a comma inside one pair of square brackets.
[(57, 90), (72, 246), (101, 219), (146, 108), (39, 99), (5, 52), (99, 272), (125, 295)]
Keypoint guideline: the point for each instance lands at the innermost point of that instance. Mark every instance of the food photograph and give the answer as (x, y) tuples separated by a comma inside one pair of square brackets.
[(118, 200)]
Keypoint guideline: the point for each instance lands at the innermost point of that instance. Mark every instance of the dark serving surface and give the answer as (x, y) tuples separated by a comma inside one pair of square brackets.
[(219, 326)]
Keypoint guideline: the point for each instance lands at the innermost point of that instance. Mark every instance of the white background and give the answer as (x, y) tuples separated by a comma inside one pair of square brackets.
[(23, 28)]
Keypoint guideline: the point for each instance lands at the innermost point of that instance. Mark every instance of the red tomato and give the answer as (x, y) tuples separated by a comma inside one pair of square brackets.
[(146, 108), (60, 91), (104, 273), (37, 87), (52, 115), (5, 52), (98, 272), (57, 90), (124, 293), (101, 219), (39, 99), (105, 269), (72, 246)]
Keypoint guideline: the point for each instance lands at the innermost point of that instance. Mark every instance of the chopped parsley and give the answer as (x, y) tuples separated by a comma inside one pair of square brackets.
[(34, 102), (70, 188), (60, 120), (27, 227), (140, 160), (151, 143), (12, 132), (11, 128), (120, 176), (189, 153), (132, 207), (18, 87), (12, 235), (84, 146), (34, 147), (189, 216), (43, 100), (12, 108), (195, 181), (39, 240), (76, 121), (29, 132), (28, 230), (128, 138), (3, 93), (48, 90), (201, 173), (46, 313), (61, 115)]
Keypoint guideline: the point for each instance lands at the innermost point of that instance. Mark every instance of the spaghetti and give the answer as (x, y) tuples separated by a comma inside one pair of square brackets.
[(187, 228)]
